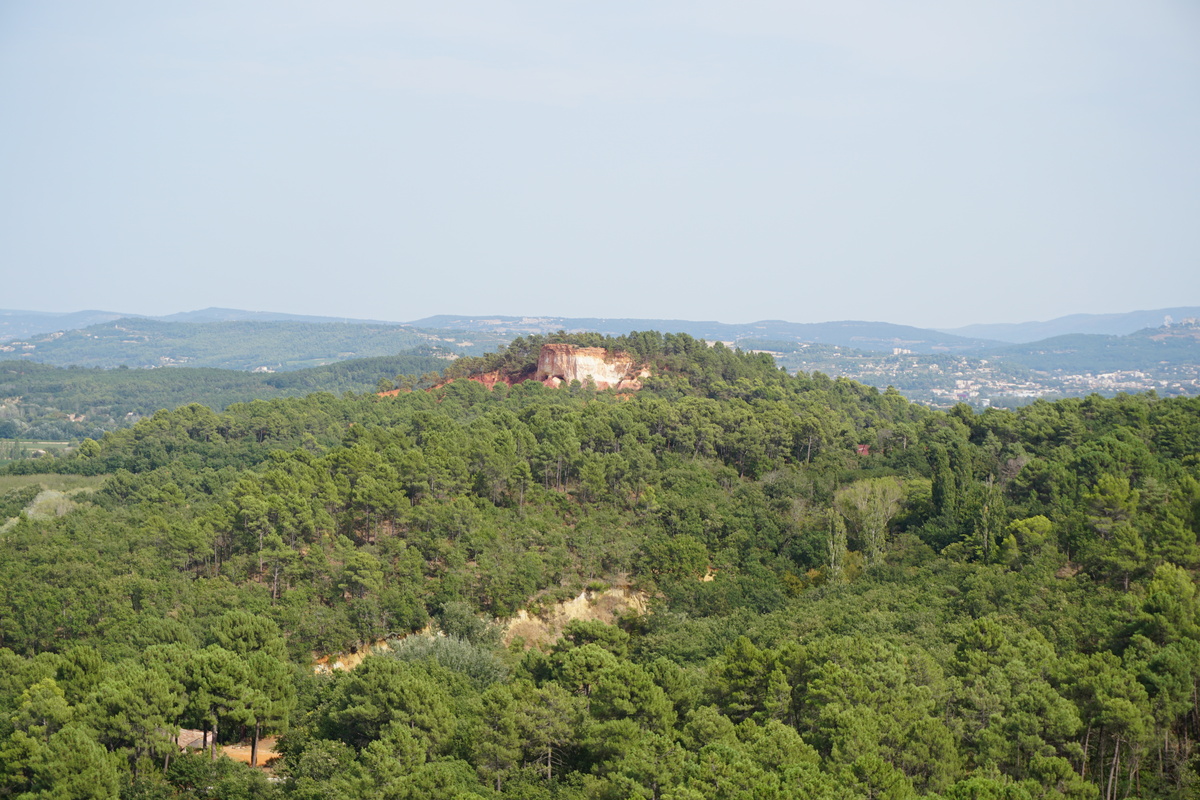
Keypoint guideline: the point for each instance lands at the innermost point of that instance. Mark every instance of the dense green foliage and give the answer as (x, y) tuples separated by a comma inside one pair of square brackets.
[(982, 605)]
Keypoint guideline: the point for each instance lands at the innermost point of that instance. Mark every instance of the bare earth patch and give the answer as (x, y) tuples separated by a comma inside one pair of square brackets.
[(534, 630), (193, 740), (605, 606), (241, 752)]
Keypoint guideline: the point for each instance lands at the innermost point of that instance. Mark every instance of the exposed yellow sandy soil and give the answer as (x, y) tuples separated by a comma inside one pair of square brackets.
[(535, 630), (347, 661), (192, 740), (605, 606)]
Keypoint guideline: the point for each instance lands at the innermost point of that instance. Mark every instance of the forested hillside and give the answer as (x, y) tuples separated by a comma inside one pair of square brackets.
[(38, 401), (1174, 345), (852, 596)]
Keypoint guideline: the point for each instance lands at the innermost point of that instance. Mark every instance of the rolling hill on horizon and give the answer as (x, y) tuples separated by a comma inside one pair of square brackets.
[(1103, 324), (17, 324), (274, 346), (847, 333)]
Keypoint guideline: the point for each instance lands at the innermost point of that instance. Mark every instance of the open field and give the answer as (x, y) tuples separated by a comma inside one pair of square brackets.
[(59, 483), (16, 449)]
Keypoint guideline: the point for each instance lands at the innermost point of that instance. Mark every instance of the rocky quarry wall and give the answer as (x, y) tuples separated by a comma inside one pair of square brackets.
[(563, 363)]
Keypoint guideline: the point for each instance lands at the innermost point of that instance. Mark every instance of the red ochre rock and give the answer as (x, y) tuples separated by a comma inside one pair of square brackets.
[(560, 364)]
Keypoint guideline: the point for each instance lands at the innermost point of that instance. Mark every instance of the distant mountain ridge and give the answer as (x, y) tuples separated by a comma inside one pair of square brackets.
[(234, 344), (237, 315), (847, 333), (1105, 324), (448, 331), (16, 324), (1175, 345), (20, 324)]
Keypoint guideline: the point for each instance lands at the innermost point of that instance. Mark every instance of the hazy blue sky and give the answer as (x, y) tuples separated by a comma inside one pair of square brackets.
[(934, 162)]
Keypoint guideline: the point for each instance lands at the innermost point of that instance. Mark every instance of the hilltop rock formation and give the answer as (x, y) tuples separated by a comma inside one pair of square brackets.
[(560, 364), (563, 363)]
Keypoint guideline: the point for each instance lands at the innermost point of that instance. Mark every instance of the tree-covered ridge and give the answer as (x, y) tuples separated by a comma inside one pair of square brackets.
[(973, 605), (1170, 345), (674, 354), (233, 344), (38, 401)]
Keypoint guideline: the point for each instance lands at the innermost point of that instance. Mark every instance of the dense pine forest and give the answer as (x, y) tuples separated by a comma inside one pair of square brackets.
[(850, 595)]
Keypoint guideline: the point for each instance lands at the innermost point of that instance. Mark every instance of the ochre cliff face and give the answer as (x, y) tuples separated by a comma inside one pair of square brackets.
[(563, 363), (560, 364)]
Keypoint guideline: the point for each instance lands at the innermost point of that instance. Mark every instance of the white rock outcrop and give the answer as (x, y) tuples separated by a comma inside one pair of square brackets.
[(563, 363)]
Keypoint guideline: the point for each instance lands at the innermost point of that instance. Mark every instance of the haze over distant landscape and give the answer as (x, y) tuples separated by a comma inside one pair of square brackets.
[(936, 165)]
